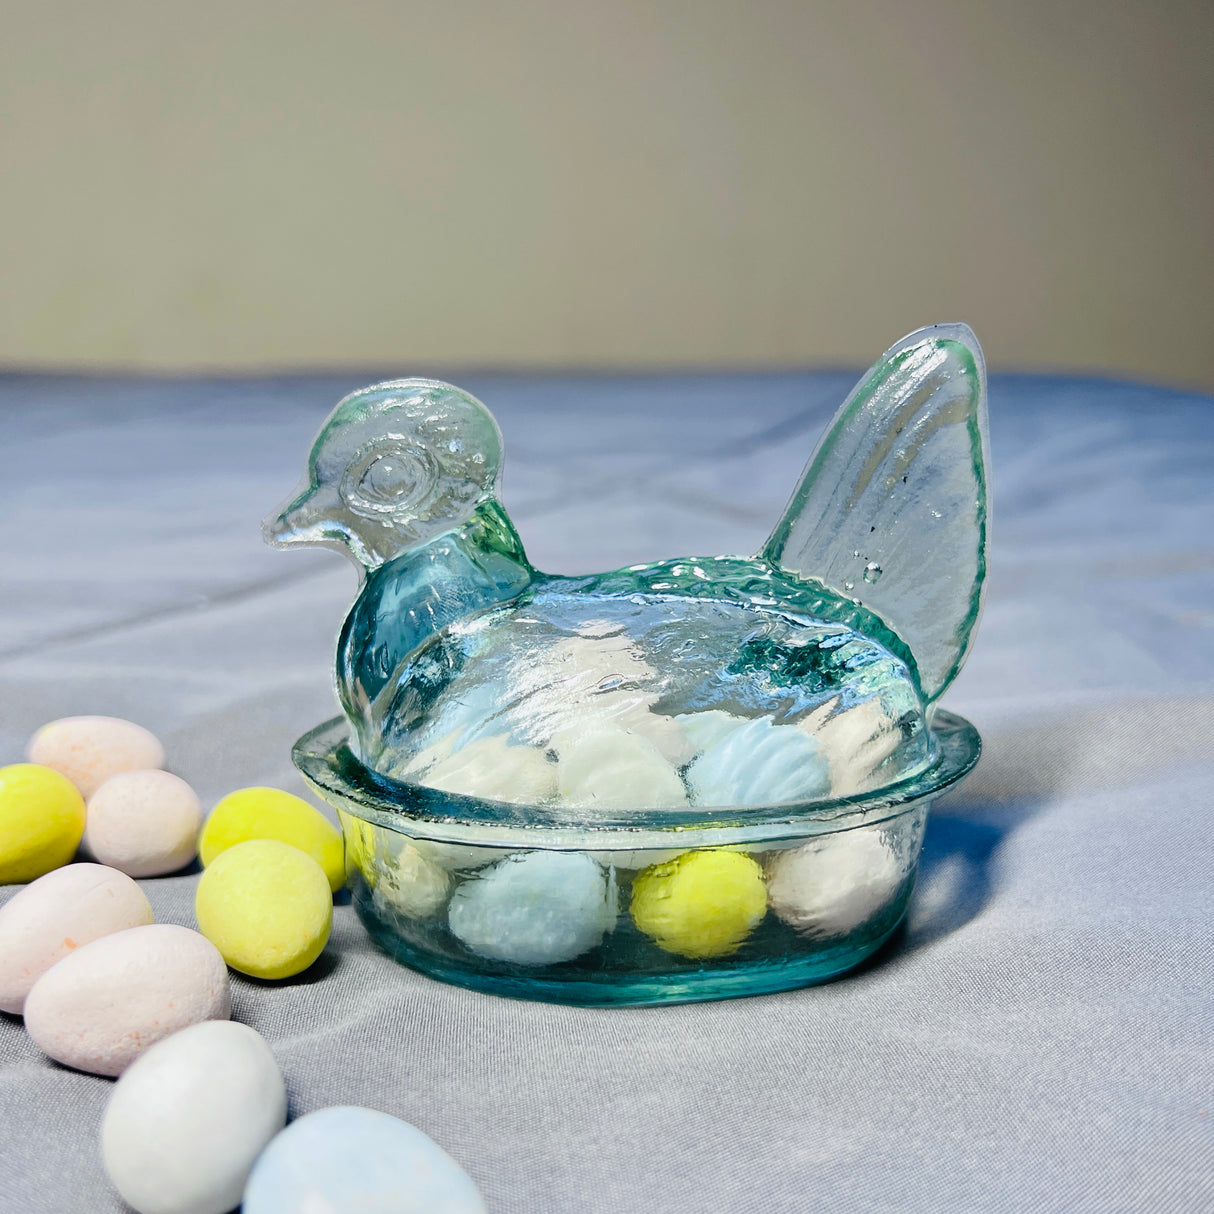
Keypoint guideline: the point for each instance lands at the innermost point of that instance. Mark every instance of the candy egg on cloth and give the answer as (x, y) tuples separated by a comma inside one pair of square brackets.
[(55, 915), (88, 750), (270, 813), (759, 763), (101, 1007), (41, 821), (347, 1160), (535, 908), (186, 1121), (266, 906), (834, 883), (143, 823), (702, 904)]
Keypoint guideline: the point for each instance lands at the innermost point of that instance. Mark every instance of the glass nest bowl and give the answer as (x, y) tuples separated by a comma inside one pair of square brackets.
[(692, 779), (663, 906)]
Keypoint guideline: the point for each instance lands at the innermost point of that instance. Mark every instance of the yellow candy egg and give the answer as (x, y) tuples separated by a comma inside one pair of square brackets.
[(266, 906), (700, 904), (41, 821), (270, 813)]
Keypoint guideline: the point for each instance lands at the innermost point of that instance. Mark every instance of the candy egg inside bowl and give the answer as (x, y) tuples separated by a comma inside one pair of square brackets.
[(648, 906)]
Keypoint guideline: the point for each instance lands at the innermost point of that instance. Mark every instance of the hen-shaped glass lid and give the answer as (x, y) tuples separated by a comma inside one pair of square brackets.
[(807, 671)]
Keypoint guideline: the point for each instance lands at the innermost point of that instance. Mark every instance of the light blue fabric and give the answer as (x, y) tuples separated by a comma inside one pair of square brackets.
[(1039, 1037)]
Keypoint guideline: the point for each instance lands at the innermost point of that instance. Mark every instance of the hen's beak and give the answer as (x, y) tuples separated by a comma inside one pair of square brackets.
[(298, 522)]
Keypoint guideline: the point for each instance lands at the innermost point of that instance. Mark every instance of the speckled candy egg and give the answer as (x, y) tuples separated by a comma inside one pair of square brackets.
[(41, 821), (57, 914), (143, 823), (187, 1120), (347, 1160), (88, 750), (535, 908), (101, 1007)]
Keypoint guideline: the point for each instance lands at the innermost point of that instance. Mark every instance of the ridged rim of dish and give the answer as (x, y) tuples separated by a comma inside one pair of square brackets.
[(331, 768)]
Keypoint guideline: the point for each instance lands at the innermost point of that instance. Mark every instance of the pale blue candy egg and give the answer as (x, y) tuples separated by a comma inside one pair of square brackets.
[(347, 1160), (535, 908), (759, 763)]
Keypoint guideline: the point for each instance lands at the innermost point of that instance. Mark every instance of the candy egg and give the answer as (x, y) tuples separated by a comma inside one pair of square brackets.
[(347, 1160), (834, 883), (101, 1007), (854, 742), (493, 768), (266, 906), (88, 750), (270, 813), (143, 823), (605, 767), (58, 913), (41, 821), (759, 763), (702, 904), (704, 729), (411, 885), (535, 908), (186, 1121)]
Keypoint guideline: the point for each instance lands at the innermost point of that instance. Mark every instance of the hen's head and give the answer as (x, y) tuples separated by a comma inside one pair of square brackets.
[(395, 465)]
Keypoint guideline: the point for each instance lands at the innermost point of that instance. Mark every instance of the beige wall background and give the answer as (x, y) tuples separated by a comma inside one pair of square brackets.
[(254, 184)]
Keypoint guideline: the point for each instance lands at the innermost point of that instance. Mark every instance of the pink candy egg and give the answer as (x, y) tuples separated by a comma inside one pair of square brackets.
[(57, 914), (88, 750), (99, 1008), (143, 823)]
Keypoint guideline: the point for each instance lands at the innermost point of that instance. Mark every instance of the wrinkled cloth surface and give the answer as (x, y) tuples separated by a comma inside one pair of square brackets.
[(1038, 1038)]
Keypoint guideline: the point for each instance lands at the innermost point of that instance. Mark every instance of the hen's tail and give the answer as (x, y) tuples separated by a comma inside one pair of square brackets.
[(892, 508)]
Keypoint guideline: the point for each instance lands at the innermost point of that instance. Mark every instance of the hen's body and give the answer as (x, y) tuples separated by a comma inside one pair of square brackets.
[(460, 642), (460, 663)]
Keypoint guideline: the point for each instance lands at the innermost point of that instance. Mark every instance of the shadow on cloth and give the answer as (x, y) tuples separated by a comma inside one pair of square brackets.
[(1023, 770), (958, 865)]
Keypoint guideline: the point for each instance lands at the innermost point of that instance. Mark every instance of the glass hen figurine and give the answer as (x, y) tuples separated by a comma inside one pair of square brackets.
[(806, 671)]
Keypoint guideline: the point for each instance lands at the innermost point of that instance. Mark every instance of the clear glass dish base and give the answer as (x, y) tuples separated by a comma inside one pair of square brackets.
[(535, 904), (767, 966)]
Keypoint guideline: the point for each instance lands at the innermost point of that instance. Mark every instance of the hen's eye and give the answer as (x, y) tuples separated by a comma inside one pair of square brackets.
[(388, 480)]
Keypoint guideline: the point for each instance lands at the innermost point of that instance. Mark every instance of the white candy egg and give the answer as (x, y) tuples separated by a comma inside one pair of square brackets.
[(495, 769), (187, 1120), (605, 767), (834, 883)]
